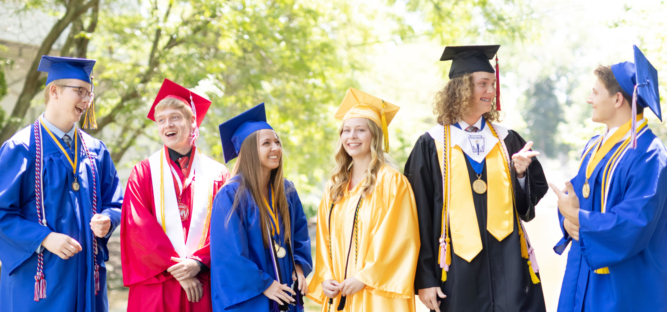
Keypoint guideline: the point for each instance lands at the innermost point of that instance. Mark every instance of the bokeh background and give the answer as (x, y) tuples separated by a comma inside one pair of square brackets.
[(299, 57)]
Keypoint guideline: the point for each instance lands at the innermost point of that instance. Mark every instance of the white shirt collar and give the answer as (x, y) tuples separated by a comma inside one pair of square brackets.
[(464, 125)]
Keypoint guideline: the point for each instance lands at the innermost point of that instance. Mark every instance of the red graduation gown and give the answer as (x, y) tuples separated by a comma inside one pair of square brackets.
[(146, 250)]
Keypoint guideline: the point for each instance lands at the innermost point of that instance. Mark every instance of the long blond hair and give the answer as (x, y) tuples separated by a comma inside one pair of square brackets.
[(455, 100), (248, 170), (340, 175)]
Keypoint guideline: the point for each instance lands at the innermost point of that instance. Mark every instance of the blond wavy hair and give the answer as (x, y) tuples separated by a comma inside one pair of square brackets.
[(455, 100), (340, 175)]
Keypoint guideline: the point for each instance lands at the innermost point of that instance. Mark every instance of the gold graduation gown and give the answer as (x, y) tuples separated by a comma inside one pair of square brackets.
[(386, 246)]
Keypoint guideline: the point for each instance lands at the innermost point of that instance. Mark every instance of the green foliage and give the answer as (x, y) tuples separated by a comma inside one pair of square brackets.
[(543, 114)]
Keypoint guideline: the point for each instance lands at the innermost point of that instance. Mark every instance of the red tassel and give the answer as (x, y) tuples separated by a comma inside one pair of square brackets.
[(42, 285), (97, 279), (497, 85), (36, 298)]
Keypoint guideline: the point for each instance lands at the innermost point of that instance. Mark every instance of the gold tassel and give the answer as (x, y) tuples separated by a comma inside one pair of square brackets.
[(524, 247), (89, 120), (533, 276), (385, 130), (444, 275), (604, 270), (448, 256)]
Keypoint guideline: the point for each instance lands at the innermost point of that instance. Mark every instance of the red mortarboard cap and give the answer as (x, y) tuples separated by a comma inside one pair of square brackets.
[(174, 90)]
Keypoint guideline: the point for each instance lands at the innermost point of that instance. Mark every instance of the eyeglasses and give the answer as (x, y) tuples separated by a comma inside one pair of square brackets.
[(81, 91)]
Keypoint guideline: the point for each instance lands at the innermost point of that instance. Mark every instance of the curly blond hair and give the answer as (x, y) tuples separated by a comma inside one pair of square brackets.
[(455, 100)]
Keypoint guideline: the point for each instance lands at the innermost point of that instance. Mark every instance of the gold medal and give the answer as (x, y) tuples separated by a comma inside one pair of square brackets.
[(586, 190), (280, 251), (75, 186), (479, 186)]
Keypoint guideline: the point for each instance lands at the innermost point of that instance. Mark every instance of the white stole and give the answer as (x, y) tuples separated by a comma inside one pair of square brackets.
[(166, 204)]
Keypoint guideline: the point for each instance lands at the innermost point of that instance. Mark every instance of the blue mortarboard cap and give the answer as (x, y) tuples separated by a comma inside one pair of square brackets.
[(642, 74), (66, 68), (234, 131)]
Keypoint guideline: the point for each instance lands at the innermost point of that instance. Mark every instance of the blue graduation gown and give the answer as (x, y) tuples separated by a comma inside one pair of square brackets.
[(241, 266), (70, 283), (629, 238)]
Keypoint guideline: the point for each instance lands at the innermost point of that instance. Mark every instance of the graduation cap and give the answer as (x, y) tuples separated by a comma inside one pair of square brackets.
[(358, 104), (234, 131), (471, 59), (641, 80), (197, 103), (58, 67)]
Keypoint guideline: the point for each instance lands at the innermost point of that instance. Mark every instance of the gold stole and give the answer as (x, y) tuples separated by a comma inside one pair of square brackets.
[(459, 206)]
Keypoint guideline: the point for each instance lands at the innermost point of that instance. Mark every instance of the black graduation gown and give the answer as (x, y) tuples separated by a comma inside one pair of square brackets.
[(497, 279)]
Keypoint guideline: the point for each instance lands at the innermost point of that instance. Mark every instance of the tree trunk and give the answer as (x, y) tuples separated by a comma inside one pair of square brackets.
[(32, 81)]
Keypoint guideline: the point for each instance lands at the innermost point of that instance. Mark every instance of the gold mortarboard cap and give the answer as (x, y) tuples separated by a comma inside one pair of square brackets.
[(358, 104)]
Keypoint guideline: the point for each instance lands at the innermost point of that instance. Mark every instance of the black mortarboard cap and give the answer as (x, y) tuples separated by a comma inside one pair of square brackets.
[(469, 59)]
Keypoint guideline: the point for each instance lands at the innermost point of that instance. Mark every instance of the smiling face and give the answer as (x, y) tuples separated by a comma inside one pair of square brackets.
[(67, 100), (174, 128), (356, 137), (483, 94), (269, 149)]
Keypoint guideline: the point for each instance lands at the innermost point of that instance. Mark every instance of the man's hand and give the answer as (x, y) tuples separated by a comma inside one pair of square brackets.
[(523, 158), (571, 229), (568, 203), (351, 286), (193, 289), (184, 269), (100, 224), (331, 288), (429, 297), (61, 245)]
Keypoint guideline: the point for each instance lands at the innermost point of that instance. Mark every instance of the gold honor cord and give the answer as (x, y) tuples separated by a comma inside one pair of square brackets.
[(75, 184), (275, 227), (600, 152), (164, 224)]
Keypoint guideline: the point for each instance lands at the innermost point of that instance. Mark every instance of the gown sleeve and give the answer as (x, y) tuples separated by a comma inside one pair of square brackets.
[(535, 184), (625, 229), (422, 170), (300, 238), (19, 236), (112, 195), (390, 264), (323, 270), (236, 278), (145, 250)]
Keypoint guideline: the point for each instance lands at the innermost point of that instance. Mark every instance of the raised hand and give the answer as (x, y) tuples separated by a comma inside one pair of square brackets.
[(568, 203), (61, 245), (100, 224), (523, 158)]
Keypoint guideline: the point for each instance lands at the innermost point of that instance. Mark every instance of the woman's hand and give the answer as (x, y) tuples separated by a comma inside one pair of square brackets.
[(351, 286), (279, 293), (331, 288), (193, 289), (303, 283)]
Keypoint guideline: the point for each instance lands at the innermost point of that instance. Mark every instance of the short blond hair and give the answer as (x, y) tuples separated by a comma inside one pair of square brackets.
[(57, 83), (173, 103)]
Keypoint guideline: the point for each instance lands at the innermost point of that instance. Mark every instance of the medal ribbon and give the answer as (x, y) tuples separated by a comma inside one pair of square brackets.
[(275, 226), (76, 148)]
